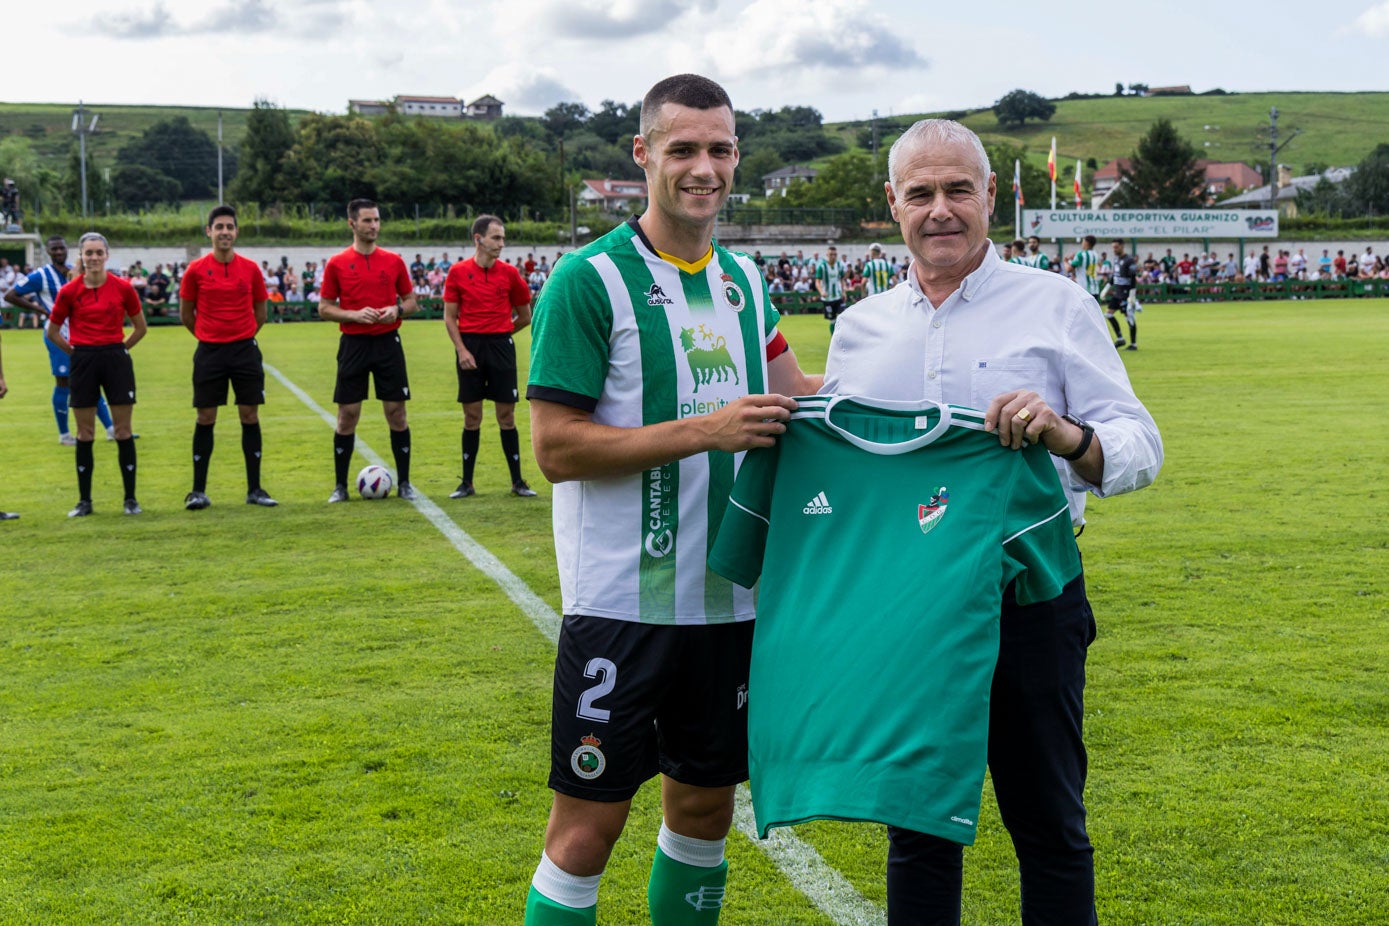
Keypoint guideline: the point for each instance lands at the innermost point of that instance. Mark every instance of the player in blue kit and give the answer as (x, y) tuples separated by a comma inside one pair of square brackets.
[(35, 293)]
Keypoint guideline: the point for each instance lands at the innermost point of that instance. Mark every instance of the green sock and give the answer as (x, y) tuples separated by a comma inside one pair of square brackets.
[(685, 895), (542, 911)]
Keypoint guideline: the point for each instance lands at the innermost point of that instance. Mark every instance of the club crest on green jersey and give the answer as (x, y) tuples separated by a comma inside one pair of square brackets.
[(733, 293), (588, 760), (929, 514)]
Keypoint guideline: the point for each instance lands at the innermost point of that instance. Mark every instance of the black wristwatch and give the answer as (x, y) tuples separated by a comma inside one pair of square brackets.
[(1085, 439)]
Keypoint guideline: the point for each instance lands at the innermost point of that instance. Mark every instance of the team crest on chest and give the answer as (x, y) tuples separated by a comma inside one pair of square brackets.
[(733, 293), (930, 514)]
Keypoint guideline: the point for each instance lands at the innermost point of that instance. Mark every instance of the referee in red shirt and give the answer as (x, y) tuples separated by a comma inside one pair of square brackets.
[(96, 305), (222, 302), (367, 291), (485, 302)]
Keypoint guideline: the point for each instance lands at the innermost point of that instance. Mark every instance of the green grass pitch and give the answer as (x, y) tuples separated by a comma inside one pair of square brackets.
[(323, 714)]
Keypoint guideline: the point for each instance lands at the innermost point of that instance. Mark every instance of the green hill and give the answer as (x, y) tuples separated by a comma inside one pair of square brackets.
[(1338, 129), (49, 125)]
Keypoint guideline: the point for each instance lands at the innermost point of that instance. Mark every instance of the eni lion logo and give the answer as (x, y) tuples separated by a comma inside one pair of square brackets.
[(710, 361)]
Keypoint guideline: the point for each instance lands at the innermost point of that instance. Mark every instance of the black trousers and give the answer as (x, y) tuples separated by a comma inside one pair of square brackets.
[(1037, 762)]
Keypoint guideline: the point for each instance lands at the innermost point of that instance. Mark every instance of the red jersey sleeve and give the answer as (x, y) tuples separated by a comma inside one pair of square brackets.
[(520, 292), (62, 305), (403, 286), (331, 287), (258, 291), (131, 300), (188, 289), (453, 290)]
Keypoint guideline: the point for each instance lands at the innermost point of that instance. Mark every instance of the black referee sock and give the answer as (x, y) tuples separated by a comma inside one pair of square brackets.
[(202, 455), (84, 470), (125, 452), (1114, 323), (400, 449), (250, 448), (342, 455), (471, 441), (511, 446)]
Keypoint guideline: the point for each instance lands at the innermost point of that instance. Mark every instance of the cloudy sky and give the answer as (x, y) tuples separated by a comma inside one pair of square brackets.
[(845, 57)]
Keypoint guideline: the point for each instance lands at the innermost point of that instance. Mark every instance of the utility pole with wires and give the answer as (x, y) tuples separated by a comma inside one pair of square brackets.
[(1273, 149)]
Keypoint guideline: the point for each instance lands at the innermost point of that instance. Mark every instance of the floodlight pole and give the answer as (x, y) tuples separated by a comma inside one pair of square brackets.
[(220, 198)]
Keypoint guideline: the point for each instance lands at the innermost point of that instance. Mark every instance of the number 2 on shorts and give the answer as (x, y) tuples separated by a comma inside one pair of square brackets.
[(606, 672)]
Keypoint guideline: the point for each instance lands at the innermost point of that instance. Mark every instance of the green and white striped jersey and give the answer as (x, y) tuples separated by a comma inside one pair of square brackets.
[(832, 275), (1087, 268), (1038, 260), (635, 339), (877, 275), (884, 535)]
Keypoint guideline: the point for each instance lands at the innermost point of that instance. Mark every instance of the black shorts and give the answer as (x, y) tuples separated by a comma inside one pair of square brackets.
[(379, 356), (834, 308), (1119, 298), (235, 362), (101, 369), (631, 700), (495, 376)]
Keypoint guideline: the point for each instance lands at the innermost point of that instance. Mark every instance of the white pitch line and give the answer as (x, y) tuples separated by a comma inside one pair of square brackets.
[(825, 887)]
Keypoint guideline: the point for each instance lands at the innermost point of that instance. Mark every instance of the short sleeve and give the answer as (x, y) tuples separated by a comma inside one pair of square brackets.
[(331, 288), (258, 290), (131, 301), (741, 542), (403, 285), (570, 331), (1039, 543), (520, 290), (188, 286), (62, 306), (453, 290), (29, 284)]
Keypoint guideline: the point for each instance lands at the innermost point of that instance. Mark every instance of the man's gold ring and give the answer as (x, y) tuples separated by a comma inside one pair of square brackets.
[(1024, 415)]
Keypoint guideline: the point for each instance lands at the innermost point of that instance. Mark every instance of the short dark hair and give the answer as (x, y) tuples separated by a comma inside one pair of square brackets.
[(219, 211), (684, 90), (52, 238), (1117, 241), (484, 222), (1089, 241), (357, 205)]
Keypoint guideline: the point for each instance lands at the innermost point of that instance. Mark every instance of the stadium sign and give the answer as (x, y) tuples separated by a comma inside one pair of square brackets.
[(1151, 223)]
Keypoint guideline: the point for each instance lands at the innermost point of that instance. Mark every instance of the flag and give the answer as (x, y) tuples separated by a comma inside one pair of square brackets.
[(1078, 184), (1017, 182), (1051, 169)]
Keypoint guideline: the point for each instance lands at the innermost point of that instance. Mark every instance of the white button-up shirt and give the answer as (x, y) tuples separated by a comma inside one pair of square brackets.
[(1007, 327)]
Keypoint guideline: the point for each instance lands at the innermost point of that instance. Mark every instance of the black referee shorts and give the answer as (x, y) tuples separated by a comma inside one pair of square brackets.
[(833, 309), (101, 369), (495, 376), (237, 363), (379, 356), (631, 700)]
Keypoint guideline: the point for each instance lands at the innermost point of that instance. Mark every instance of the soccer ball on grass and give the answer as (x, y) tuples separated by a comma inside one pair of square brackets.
[(375, 482)]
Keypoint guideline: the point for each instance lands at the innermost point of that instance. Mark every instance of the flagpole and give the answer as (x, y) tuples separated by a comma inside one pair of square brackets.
[(1051, 167), (1017, 198), (1078, 194)]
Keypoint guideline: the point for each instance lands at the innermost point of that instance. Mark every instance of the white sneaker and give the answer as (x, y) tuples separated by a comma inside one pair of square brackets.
[(111, 433), (68, 440)]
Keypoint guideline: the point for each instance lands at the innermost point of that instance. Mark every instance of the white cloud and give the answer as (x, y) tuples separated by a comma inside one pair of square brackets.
[(1374, 22), (607, 19), (834, 36), (525, 89)]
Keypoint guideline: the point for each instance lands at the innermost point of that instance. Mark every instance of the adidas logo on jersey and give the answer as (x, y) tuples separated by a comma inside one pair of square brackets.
[(818, 505)]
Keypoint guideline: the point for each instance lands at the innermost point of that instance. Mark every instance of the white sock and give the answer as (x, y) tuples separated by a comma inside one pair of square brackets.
[(560, 886), (702, 853)]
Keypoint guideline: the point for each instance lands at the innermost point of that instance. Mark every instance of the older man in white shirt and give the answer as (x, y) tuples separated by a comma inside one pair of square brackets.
[(1029, 348)]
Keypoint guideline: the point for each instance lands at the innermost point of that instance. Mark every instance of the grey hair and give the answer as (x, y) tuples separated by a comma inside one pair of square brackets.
[(935, 132)]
